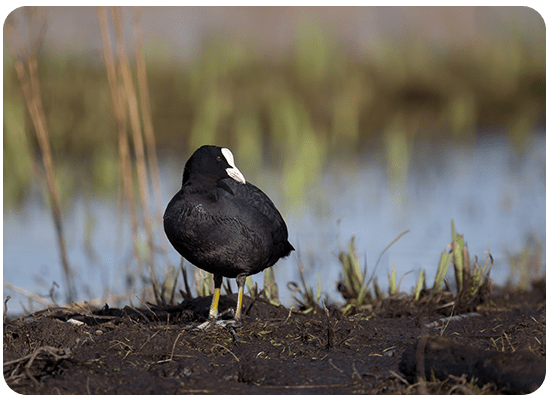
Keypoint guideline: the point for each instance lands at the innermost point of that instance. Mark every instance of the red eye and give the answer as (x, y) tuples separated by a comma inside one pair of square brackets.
[(218, 158)]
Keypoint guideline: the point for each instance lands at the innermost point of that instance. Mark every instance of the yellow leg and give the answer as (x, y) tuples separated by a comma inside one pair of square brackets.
[(241, 279), (239, 303), (213, 314)]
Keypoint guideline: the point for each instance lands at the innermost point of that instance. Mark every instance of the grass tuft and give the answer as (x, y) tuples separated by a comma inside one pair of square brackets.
[(305, 297), (472, 280)]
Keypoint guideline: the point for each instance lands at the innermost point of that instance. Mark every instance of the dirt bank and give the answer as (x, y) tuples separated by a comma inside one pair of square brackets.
[(277, 351)]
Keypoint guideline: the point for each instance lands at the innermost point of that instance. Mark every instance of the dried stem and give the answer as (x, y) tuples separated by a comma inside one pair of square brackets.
[(135, 123), (117, 95), (146, 114), (27, 72)]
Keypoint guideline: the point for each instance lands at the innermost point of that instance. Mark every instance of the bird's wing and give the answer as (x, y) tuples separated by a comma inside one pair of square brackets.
[(250, 196)]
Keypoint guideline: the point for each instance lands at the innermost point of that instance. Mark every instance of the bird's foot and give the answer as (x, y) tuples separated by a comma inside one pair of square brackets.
[(230, 323), (224, 323)]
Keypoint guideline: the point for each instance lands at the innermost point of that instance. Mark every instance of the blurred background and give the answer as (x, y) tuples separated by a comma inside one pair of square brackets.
[(357, 121)]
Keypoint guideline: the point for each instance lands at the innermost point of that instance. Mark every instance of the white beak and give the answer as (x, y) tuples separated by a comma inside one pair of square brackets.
[(232, 171)]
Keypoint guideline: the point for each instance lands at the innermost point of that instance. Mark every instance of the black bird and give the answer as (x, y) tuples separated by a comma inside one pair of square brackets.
[(223, 224)]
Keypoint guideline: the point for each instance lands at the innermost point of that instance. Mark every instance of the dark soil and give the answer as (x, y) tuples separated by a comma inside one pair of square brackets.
[(385, 350)]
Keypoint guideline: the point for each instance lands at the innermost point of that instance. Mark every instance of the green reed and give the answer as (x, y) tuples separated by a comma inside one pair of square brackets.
[(316, 102)]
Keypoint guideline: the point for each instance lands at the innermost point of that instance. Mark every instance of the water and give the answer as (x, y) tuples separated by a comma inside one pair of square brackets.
[(495, 198)]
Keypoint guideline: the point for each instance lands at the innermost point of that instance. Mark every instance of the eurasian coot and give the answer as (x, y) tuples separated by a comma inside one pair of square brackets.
[(223, 224)]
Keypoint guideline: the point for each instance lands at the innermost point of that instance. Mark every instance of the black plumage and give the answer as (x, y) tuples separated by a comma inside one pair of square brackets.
[(223, 224)]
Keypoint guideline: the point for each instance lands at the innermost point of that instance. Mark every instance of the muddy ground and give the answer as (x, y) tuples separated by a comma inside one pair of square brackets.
[(382, 350)]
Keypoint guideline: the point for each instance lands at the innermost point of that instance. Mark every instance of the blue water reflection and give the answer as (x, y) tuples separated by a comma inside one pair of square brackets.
[(495, 197)]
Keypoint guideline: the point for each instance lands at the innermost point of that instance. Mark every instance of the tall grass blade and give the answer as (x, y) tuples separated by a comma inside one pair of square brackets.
[(319, 290), (444, 262), (419, 284), (458, 257), (252, 287), (392, 280), (307, 300), (204, 282), (271, 289), (385, 249), (187, 293)]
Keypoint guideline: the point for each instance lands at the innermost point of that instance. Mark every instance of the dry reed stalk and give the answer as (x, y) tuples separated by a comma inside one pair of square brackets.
[(146, 114), (30, 85), (117, 95), (135, 123)]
